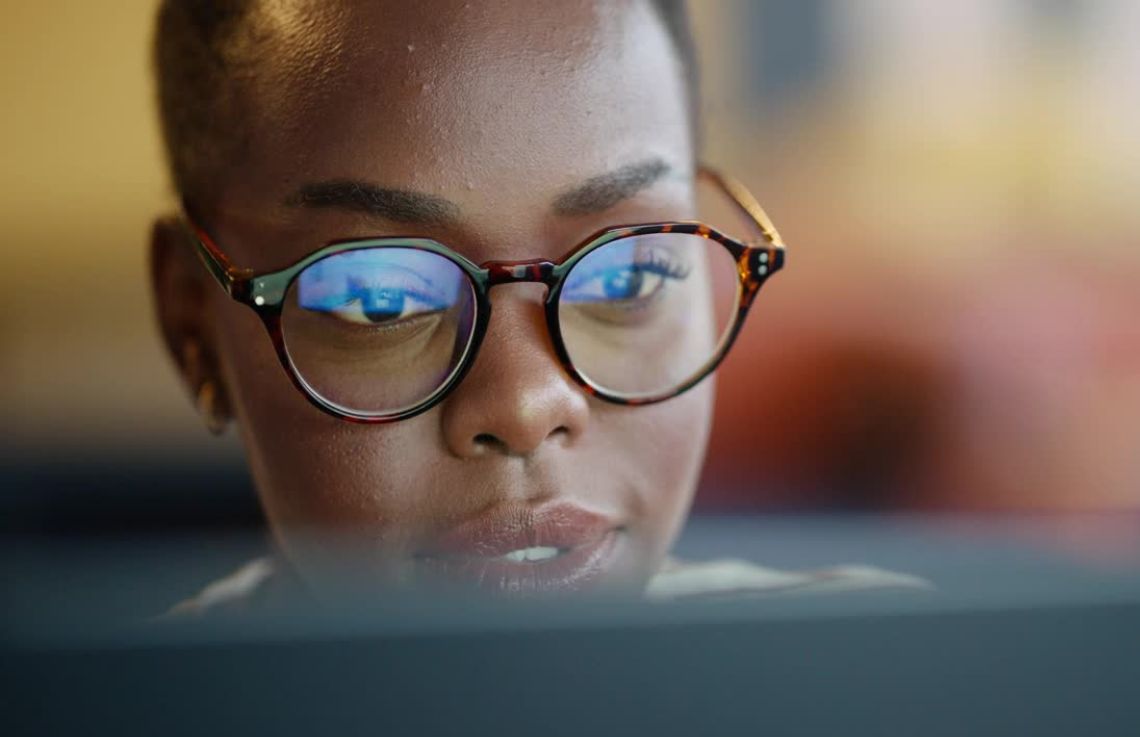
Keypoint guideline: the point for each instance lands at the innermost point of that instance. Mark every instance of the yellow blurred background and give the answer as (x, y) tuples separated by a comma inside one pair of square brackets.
[(959, 325)]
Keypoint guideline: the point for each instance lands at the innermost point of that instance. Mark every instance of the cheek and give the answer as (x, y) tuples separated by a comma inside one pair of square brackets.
[(663, 448), (311, 469)]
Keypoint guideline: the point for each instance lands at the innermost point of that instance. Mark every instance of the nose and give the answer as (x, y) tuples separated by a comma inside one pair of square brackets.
[(517, 398)]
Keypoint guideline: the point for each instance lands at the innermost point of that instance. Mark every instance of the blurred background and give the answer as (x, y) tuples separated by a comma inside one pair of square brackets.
[(958, 328)]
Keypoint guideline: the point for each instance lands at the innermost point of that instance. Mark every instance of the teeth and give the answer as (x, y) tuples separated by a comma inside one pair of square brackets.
[(525, 555)]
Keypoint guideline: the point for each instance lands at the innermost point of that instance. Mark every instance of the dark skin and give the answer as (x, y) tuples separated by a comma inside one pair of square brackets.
[(520, 128)]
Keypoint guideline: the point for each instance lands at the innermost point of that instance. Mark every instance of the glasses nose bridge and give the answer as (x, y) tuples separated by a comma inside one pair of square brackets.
[(536, 270)]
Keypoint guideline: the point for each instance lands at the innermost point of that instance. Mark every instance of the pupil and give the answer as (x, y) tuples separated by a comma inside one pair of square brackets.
[(624, 283), (380, 305)]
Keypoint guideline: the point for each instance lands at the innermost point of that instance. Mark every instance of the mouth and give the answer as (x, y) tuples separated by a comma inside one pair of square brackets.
[(523, 551), (533, 555)]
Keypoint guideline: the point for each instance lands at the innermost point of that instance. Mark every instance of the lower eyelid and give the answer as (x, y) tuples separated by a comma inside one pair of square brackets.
[(393, 325)]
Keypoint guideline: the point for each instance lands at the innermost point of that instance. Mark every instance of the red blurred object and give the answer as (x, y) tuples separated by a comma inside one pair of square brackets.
[(1016, 387)]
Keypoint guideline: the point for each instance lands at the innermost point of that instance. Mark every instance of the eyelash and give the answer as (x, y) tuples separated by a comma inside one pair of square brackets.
[(357, 291), (654, 264)]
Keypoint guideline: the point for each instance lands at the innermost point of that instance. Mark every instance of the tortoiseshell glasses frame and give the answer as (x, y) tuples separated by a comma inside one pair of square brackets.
[(265, 293)]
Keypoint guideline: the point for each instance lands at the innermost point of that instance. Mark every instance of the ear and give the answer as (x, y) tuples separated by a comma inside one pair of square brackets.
[(180, 283)]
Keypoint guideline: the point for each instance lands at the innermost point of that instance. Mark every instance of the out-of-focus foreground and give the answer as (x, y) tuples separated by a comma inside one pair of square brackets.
[(958, 326)]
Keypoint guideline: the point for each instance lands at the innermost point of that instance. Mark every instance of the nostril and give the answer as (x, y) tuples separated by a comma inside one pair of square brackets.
[(486, 439)]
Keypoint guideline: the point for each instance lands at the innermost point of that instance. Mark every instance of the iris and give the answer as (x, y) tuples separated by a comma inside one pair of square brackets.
[(379, 304), (623, 283)]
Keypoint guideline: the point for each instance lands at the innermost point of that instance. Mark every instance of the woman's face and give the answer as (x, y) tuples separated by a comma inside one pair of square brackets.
[(506, 111)]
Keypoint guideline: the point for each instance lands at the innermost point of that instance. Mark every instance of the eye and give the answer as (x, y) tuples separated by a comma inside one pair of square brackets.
[(377, 296), (630, 282), (375, 305), (627, 281)]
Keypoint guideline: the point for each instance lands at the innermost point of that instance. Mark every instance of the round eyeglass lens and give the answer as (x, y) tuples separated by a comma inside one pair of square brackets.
[(642, 316), (376, 332)]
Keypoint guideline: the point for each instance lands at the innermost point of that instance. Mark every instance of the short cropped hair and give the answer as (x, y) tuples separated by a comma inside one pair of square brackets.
[(204, 50)]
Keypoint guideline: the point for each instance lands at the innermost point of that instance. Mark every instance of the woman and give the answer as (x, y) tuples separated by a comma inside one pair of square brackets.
[(369, 181)]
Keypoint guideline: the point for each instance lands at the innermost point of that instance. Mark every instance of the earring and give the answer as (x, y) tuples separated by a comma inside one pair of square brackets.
[(210, 408)]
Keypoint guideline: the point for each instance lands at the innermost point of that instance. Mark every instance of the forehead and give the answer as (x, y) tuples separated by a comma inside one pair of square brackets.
[(454, 97)]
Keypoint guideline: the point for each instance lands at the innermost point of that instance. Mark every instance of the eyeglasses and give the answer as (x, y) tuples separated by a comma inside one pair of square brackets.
[(381, 329)]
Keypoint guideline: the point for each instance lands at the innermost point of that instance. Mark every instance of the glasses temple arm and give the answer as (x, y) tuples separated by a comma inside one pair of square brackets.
[(228, 276), (747, 204)]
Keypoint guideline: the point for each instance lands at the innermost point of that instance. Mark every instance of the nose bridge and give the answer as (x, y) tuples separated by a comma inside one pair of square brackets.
[(516, 396), (515, 272)]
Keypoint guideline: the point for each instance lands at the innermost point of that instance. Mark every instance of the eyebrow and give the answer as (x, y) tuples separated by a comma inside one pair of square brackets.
[(596, 194), (602, 192), (397, 205)]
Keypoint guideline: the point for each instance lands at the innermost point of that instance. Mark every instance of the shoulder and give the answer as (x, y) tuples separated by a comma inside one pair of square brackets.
[(239, 591), (731, 577), (252, 585)]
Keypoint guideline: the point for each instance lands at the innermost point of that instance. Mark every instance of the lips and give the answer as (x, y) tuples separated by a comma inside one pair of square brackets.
[(522, 550)]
